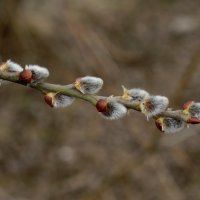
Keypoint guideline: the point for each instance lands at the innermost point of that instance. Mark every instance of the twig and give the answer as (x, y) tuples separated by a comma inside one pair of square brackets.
[(112, 107), (70, 91)]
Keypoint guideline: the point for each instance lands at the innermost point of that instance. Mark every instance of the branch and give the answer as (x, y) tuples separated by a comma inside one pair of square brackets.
[(112, 107)]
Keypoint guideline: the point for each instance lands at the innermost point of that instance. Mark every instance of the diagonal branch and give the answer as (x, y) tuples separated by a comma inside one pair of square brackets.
[(69, 90)]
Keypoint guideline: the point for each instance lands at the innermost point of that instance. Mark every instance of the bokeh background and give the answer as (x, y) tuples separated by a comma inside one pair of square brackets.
[(72, 153)]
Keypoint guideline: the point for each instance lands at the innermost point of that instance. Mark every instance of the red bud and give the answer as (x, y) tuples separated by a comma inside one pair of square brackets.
[(49, 100), (102, 105), (193, 120), (25, 76)]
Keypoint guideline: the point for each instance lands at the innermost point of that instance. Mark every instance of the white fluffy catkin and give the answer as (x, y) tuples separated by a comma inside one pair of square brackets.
[(61, 100), (114, 111), (39, 73), (88, 84), (154, 105), (169, 125), (10, 66), (135, 94)]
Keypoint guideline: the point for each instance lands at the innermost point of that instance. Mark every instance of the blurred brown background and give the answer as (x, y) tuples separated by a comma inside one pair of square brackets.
[(73, 153)]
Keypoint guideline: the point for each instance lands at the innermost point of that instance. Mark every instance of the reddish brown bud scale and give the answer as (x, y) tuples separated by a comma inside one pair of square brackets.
[(49, 100), (159, 125), (25, 76), (102, 105), (148, 104), (193, 120), (187, 105)]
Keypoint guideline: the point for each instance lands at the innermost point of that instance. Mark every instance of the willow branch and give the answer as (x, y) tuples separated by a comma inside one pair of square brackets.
[(69, 90)]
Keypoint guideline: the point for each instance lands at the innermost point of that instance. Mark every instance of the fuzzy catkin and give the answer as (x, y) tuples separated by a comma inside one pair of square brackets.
[(114, 111)]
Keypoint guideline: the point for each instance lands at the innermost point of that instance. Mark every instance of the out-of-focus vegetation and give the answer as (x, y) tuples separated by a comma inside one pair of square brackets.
[(73, 153)]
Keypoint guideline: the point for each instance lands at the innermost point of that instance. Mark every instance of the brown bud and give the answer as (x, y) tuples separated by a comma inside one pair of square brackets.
[(25, 76), (49, 99), (102, 105)]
